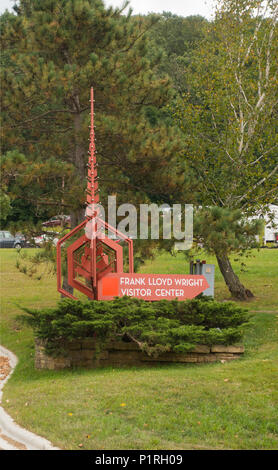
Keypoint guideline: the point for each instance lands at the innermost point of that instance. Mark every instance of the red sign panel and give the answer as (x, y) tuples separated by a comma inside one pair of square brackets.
[(151, 286)]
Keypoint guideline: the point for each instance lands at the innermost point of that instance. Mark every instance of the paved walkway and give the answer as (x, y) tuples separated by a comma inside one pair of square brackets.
[(12, 436)]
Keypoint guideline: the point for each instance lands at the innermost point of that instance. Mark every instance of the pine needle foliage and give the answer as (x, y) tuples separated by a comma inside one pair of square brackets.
[(156, 327)]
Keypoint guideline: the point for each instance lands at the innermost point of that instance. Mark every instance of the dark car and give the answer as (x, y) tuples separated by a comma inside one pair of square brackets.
[(57, 220), (7, 240)]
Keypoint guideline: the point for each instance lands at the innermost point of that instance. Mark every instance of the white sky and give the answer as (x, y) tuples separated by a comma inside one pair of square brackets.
[(179, 7)]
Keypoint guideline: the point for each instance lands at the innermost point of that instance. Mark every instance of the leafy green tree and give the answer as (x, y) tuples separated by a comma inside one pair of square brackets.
[(177, 34), (177, 37), (228, 116)]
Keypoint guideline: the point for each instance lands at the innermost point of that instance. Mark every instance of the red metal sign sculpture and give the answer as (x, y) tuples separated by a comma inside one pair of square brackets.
[(91, 256), (93, 261)]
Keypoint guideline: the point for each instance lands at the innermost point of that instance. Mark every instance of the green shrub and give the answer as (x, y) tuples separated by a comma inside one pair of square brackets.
[(155, 326)]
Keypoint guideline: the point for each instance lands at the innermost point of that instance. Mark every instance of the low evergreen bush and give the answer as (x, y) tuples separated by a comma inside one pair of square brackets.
[(155, 326)]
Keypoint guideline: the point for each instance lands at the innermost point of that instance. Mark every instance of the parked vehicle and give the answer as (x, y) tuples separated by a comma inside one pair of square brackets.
[(269, 236), (44, 238), (7, 240), (57, 220), (271, 227)]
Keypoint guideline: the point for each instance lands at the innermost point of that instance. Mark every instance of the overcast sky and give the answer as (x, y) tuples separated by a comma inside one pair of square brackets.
[(179, 7)]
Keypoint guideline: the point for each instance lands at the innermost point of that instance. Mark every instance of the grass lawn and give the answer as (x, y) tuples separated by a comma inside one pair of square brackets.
[(213, 406), (260, 275)]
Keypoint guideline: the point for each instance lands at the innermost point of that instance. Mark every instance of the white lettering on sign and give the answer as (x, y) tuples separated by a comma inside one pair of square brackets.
[(169, 292), (152, 286), (129, 281), (189, 282), (136, 292), (158, 281)]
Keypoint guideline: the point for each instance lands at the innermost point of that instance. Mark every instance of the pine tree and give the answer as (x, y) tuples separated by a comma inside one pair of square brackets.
[(55, 50), (224, 232)]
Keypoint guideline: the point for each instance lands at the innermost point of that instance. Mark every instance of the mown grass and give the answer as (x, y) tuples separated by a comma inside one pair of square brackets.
[(214, 406), (258, 272)]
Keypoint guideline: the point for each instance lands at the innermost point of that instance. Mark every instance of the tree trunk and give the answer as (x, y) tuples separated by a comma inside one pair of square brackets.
[(77, 217), (79, 150), (232, 281), (78, 158), (66, 286), (80, 161)]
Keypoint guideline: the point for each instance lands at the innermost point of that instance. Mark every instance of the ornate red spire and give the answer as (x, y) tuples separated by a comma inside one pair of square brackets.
[(92, 184)]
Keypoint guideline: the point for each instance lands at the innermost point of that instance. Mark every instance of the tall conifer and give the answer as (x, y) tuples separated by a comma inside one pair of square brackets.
[(55, 50)]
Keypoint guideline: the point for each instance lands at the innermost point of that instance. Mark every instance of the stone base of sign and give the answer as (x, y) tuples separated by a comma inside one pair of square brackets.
[(83, 353)]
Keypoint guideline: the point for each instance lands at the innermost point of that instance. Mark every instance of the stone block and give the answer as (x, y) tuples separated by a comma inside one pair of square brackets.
[(88, 343), (235, 349), (123, 346), (62, 364), (208, 358), (76, 355), (201, 349), (74, 345), (171, 357), (83, 353), (226, 357), (121, 356)]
